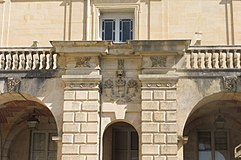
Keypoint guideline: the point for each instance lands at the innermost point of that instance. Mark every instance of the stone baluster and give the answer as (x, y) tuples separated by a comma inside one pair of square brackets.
[(15, 61), (188, 60), (55, 60), (223, 59), (201, 59), (42, 60), (194, 57), (22, 61), (230, 61), (35, 60), (8, 61), (2, 60), (48, 60), (208, 60), (29, 60), (215, 59), (236, 59)]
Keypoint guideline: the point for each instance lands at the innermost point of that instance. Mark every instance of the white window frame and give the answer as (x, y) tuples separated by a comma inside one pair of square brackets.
[(117, 17), (123, 8), (46, 132)]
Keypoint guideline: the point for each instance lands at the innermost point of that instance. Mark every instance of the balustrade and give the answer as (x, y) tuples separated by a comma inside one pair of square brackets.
[(213, 58), (27, 59)]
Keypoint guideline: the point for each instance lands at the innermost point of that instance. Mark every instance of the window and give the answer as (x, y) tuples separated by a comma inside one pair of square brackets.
[(43, 148), (213, 145), (116, 27)]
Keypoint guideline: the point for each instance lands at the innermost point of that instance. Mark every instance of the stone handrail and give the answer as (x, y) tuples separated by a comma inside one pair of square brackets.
[(223, 57), (27, 59)]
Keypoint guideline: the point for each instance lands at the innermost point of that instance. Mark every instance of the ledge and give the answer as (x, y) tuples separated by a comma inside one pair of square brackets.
[(157, 77), (82, 78)]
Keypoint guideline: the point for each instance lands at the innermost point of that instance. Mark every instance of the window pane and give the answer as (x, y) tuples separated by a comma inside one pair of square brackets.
[(126, 30), (108, 29), (204, 141), (221, 141), (38, 156), (39, 140), (121, 140), (134, 141), (205, 155), (220, 155)]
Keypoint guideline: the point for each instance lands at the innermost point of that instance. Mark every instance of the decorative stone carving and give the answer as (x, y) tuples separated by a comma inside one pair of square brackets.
[(8, 61), (13, 85), (83, 62), (132, 89), (35, 60), (109, 88), (158, 61), (230, 83), (120, 89), (81, 85)]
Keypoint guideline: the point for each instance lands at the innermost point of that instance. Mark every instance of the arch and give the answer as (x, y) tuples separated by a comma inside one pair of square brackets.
[(208, 99), (203, 119), (120, 141), (15, 111)]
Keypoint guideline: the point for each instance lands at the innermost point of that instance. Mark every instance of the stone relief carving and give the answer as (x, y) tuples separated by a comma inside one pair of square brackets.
[(13, 84), (158, 61), (120, 89), (109, 88), (81, 85), (83, 62), (230, 83)]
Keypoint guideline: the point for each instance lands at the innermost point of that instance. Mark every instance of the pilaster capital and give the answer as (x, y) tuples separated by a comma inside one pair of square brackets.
[(158, 81), (81, 82)]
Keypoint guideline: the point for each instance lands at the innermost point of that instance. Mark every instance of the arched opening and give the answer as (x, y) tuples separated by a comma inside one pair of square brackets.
[(213, 130), (27, 128), (120, 142)]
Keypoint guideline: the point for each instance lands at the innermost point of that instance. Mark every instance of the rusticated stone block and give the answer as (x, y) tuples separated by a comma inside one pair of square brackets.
[(147, 157), (169, 149), (70, 149), (88, 149), (146, 116), (89, 127), (69, 95), (147, 138), (168, 127), (159, 116), (81, 95), (171, 116), (92, 138), (80, 138), (146, 95), (150, 149), (90, 106), (68, 117), (72, 106), (171, 95), (172, 138), (94, 95), (67, 138), (71, 127), (81, 116), (159, 95), (159, 138), (168, 105), (93, 117), (150, 127), (150, 105)]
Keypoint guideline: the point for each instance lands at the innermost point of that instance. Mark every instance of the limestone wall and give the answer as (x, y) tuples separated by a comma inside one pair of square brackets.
[(212, 22)]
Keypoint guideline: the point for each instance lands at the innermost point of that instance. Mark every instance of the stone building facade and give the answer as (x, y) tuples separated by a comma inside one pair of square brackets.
[(120, 80)]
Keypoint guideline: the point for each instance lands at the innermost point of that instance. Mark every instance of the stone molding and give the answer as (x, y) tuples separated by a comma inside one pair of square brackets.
[(158, 81), (80, 82), (13, 84)]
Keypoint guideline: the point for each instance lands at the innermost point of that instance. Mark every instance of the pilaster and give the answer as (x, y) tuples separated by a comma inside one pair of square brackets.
[(158, 117)]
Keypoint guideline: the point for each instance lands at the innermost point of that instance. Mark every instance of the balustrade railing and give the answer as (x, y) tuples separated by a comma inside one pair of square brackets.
[(27, 59), (226, 57)]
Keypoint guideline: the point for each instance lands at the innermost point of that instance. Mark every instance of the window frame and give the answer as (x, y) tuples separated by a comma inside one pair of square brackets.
[(46, 132), (213, 149), (116, 17), (99, 8)]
